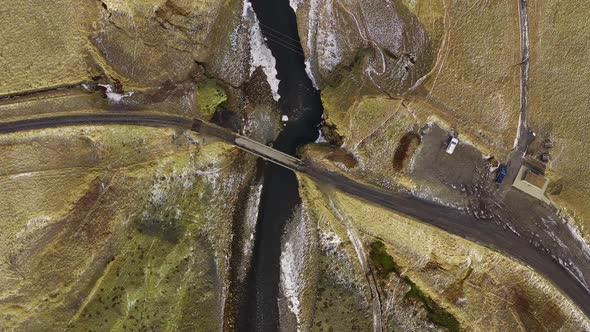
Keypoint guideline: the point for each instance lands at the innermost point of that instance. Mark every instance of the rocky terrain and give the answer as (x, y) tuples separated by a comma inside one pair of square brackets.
[(132, 228), (116, 228)]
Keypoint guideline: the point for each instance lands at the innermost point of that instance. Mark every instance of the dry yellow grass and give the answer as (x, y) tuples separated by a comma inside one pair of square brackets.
[(486, 291), (560, 78), (139, 43), (474, 85), (105, 227), (44, 43), (476, 78)]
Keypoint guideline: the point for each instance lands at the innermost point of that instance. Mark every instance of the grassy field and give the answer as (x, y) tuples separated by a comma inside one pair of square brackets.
[(473, 87), (475, 82), (481, 289), (105, 228), (559, 33), (44, 44), (138, 44)]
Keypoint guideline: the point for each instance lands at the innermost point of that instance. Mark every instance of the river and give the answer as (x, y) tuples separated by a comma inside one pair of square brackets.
[(302, 104)]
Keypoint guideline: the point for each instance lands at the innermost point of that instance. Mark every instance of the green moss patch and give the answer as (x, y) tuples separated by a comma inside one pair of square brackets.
[(383, 261), (436, 313), (385, 265), (209, 96)]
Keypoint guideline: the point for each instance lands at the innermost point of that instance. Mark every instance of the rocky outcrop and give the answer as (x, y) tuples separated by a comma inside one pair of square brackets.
[(382, 41), (145, 44)]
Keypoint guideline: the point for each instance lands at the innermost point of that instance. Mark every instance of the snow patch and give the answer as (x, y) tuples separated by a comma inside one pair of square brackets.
[(425, 194), (260, 54), (321, 138), (252, 207), (513, 230), (310, 74), (312, 27), (578, 236), (39, 222), (468, 262), (330, 241), (518, 132), (325, 35), (115, 96), (412, 4), (293, 259), (576, 273), (290, 278), (295, 4), (222, 187), (22, 175)]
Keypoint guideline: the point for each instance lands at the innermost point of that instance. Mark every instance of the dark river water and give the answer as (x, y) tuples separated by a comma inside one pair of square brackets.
[(301, 102)]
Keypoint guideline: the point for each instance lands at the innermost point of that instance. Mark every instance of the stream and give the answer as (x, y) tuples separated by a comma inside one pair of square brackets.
[(302, 104)]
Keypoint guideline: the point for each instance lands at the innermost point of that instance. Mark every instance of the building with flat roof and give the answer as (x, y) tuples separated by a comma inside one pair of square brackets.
[(532, 183)]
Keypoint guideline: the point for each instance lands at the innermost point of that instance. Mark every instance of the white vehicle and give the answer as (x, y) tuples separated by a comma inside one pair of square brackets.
[(452, 145)]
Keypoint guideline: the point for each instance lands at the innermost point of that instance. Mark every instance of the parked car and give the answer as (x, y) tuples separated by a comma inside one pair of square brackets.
[(502, 170), (452, 145)]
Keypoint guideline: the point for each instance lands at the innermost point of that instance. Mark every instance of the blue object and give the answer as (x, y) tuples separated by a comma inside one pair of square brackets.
[(501, 174)]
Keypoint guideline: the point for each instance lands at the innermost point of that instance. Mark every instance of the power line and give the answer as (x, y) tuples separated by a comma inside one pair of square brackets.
[(280, 33), (280, 43), (289, 42), (276, 37), (278, 40)]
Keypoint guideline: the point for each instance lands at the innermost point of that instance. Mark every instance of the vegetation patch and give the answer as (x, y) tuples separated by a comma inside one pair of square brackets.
[(342, 156), (436, 313), (383, 261), (209, 96), (407, 145), (385, 265)]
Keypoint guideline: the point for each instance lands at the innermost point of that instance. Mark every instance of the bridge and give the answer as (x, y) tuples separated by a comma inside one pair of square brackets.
[(248, 145), (156, 120), (451, 220)]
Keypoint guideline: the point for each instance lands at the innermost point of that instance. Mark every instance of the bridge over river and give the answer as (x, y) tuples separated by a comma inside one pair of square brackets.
[(449, 219)]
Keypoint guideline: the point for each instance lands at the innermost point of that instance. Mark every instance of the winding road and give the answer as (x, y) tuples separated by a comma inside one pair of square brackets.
[(448, 219)]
